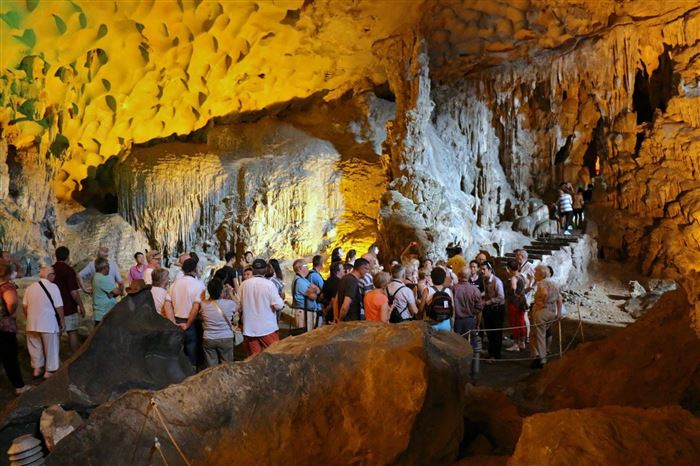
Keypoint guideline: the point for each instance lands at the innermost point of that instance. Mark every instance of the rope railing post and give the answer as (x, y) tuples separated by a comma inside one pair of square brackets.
[(580, 321)]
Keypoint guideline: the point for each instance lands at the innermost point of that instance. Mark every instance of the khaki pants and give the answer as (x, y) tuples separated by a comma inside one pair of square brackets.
[(217, 351), (538, 344), (312, 319), (44, 350)]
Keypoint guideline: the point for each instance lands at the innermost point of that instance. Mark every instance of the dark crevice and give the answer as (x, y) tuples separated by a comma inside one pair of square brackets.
[(14, 166), (565, 150), (654, 92), (597, 150)]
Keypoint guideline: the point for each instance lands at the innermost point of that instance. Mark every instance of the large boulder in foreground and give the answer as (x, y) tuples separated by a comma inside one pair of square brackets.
[(653, 362), (133, 347), (610, 435), (356, 393)]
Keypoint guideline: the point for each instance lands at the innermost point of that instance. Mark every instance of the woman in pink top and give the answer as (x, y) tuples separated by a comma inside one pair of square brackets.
[(136, 271), (376, 301)]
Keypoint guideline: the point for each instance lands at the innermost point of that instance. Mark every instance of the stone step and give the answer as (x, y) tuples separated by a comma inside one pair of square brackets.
[(546, 245), (511, 255), (558, 237), (540, 250)]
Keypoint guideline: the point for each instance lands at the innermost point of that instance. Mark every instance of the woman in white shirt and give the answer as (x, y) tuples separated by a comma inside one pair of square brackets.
[(161, 298), (217, 315)]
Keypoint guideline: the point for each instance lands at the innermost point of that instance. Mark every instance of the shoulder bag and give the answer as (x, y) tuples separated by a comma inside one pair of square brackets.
[(237, 334), (55, 312)]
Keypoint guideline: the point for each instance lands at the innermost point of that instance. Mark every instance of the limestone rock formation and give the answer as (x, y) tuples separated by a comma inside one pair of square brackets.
[(653, 362), (268, 186), (322, 391), (134, 347), (56, 423), (489, 413), (609, 435)]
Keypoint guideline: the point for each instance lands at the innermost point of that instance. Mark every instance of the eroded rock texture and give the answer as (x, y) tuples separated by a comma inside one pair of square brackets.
[(653, 362), (134, 347), (307, 400), (609, 435)]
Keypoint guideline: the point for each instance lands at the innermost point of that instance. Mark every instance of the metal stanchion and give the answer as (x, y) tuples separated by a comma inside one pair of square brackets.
[(476, 347)]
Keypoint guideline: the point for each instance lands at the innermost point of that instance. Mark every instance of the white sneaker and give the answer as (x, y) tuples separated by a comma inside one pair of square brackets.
[(513, 348)]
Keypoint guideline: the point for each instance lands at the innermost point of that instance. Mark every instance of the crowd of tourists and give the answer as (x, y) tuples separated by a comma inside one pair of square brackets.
[(241, 301)]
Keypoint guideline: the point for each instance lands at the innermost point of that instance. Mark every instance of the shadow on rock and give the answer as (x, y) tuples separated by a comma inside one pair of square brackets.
[(134, 347)]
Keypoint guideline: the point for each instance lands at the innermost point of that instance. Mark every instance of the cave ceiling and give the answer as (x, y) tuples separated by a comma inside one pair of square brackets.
[(86, 80)]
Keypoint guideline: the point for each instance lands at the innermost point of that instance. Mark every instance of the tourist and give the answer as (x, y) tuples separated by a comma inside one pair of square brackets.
[(494, 309), (588, 195), (423, 288), (259, 303), (350, 257), (161, 298), (228, 273), (7, 258), (401, 298), (8, 328), (372, 257), (517, 306), (89, 270), (315, 277), (468, 306), (455, 260), (475, 278), (217, 314), (186, 295), (153, 259), (545, 309), (407, 256), (349, 297), (566, 209), (527, 270), (247, 273), (67, 281), (104, 291), (276, 276), (330, 289), (481, 258), (245, 262), (176, 269), (376, 302), (43, 308), (337, 255), (578, 208), (304, 294), (439, 303), (136, 271), (427, 265)]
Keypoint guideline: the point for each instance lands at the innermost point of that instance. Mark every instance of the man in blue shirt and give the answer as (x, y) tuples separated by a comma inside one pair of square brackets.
[(304, 295)]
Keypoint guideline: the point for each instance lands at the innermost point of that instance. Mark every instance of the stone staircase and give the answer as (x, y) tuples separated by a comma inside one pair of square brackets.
[(541, 248)]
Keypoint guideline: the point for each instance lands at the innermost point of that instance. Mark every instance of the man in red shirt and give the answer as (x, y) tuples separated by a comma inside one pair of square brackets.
[(67, 282)]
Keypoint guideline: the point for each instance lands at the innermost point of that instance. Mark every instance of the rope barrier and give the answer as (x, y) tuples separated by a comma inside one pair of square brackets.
[(508, 328), (156, 445), (138, 438), (167, 431)]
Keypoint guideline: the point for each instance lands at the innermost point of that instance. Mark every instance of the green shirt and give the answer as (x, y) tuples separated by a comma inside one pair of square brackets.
[(102, 301)]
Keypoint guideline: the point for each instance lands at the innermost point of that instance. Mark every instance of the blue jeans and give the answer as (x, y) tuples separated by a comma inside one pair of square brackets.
[(463, 325), (190, 342)]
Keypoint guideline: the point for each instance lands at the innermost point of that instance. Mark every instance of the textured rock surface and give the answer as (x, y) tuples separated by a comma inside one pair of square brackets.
[(489, 413), (268, 186), (609, 435), (133, 348), (653, 362), (56, 423), (321, 391)]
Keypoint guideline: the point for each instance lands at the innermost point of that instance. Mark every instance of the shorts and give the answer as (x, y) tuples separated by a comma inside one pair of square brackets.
[(72, 321)]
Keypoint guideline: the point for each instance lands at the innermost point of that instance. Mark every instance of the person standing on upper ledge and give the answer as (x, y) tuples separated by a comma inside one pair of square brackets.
[(259, 303), (372, 258)]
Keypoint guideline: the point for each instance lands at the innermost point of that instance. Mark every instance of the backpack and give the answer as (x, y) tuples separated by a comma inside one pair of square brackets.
[(395, 316), (440, 307)]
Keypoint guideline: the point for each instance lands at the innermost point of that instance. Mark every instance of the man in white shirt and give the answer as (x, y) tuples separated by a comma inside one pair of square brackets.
[(527, 270), (186, 295), (89, 270), (401, 296), (43, 327), (259, 301)]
